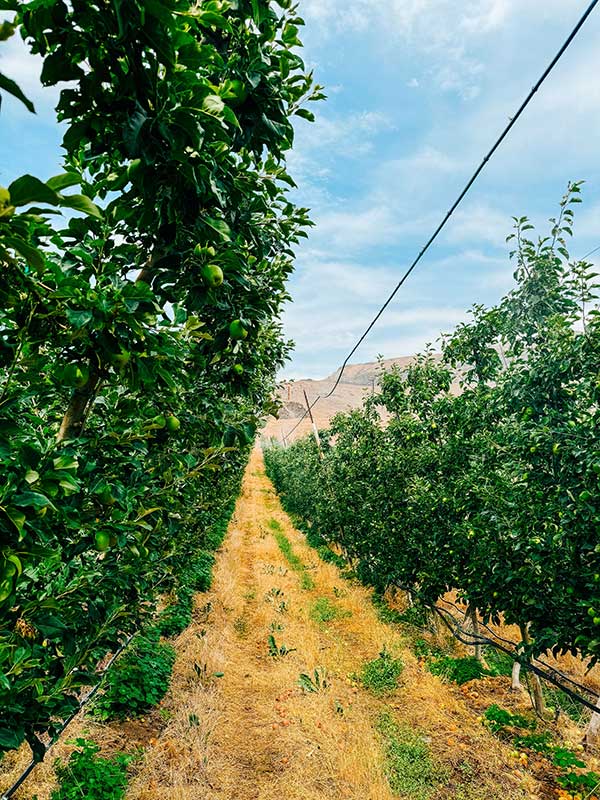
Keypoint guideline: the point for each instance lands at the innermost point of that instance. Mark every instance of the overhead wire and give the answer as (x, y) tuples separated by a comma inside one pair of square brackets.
[(512, 122)]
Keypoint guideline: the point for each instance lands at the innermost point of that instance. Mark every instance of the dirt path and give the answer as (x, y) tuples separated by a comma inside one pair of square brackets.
[(240, 727)]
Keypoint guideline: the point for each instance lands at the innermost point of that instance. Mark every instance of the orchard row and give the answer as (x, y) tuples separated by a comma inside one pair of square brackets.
[(478, 470), (139, 298)]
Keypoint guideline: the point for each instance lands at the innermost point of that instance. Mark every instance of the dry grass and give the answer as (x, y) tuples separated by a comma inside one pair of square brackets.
[(253, 734), (260, 736)]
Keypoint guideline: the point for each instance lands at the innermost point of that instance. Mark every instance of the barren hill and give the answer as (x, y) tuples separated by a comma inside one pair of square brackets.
[(357, 381)]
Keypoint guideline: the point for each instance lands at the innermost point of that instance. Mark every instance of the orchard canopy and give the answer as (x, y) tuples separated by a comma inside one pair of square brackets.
[(140, 290)]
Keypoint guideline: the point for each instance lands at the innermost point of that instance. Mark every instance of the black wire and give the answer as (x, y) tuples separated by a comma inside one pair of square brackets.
[(512, 643), (313, 404), (591, 253), (468, 186), (26, 772), (474, 639)]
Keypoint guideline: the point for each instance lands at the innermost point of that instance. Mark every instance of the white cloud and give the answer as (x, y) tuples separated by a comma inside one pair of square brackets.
[(21, 66)]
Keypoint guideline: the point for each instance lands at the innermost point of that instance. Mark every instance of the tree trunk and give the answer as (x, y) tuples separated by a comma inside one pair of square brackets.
[(516, 677), (538, 698), (471, 615), (76, 413), (593, 729)]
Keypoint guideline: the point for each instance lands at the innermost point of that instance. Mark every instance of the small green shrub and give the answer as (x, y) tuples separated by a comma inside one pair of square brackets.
[(322, 610), (457, 670), (88, 776), (381, 675), (500, 663), (278, 650), (138, 680), (498, 719), (415, 615), (424, 649), (409, 767), (317, 682), (327, 555)]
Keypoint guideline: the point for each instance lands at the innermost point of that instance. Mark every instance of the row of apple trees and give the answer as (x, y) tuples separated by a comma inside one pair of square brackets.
[(139, 296), (485, 477)]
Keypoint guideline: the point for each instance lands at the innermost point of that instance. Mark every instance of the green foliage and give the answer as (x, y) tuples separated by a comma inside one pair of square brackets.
[(500, 663), (458, 670), (491, 491), (499, 719), (278, 650), (409, 767), (175, 618), (138, 680), (381, 675), (539, 742), (295, 562), (586, 782), (317, 682), (424, 649), (322, 610), (88, 776), (140, 294)]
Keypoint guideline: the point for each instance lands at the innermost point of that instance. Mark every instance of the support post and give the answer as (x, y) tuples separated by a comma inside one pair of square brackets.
[(314, 427)]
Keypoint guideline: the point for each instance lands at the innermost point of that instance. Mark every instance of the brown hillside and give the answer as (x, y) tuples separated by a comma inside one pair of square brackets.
[(357, 382)]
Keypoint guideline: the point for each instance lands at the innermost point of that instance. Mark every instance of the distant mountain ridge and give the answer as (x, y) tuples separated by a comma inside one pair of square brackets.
[(357, 382)]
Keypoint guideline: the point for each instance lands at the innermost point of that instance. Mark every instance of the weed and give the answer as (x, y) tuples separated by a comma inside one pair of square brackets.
[(251, 595), (381, 675), (409, 767), (539, 742), (500, 663), (339, 592), (274, 525), (327, 555), (274, 627), (415, 615), (498, 719), (317, 683), (458, 670), (138, 680), (273, 594), (240, 626), (293, 560), (554, 699), (203, 674), (278, 651), (584, 782), (424, 649), (88, 776), (322, 611)]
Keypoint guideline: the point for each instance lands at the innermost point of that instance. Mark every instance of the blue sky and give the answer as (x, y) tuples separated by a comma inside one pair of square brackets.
[(418, 90)]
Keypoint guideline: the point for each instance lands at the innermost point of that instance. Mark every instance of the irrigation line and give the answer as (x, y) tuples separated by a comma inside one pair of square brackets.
[(83, 702), (512, 122), (461, 635), (539, 660)]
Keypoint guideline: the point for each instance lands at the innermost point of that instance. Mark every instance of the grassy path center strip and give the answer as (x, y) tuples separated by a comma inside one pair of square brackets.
[(293, 560)]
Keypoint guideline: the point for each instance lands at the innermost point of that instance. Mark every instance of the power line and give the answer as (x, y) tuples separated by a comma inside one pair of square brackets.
[(461, 196)]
